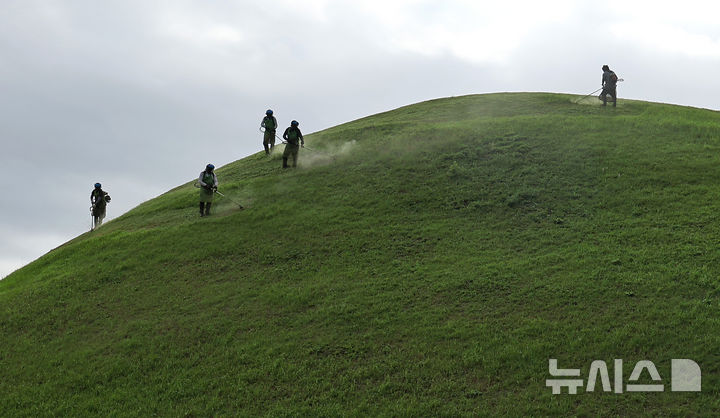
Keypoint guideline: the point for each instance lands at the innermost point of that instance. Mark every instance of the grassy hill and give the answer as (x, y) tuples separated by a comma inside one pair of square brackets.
[(425, 261)]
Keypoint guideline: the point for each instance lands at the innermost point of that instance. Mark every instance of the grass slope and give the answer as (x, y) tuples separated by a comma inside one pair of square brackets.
[(431, 266)]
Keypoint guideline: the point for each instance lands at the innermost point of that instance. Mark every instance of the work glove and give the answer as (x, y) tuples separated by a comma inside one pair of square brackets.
[(214, 188)]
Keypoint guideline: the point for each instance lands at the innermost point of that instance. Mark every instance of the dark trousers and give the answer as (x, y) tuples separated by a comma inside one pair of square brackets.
[(291, 150), (612, 91), (98, 214), (269, 141), (205, 208)]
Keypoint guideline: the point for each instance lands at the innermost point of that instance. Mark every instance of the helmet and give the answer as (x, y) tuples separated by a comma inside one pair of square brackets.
[(294, 123), (605, 67), (98, 185), (209, 167), (269, 112)]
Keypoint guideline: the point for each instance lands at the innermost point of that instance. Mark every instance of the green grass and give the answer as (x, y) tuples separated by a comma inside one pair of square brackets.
[(429, 261)]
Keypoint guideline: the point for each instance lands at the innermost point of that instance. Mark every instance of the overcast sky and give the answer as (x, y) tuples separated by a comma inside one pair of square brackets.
[(140, 95)]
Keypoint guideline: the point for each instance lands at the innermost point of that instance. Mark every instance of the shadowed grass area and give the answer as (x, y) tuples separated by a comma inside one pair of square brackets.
[(424, 261)]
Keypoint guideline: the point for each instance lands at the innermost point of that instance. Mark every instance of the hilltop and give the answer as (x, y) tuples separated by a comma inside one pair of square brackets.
[(427, 260)]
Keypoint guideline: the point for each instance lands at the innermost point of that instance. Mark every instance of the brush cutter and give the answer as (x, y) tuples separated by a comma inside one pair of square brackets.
[(325, 153), (282, 141), (215, 191), (239, 205), (276, 135), (588, 95)]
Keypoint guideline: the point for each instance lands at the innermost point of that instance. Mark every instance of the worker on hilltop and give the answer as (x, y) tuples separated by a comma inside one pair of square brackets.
[(270, 124), (609, 86), (295, 140), (99, 199), (208, 183)]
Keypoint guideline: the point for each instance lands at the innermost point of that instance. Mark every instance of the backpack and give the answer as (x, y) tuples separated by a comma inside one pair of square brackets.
[(613, 78), (270, 123)]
